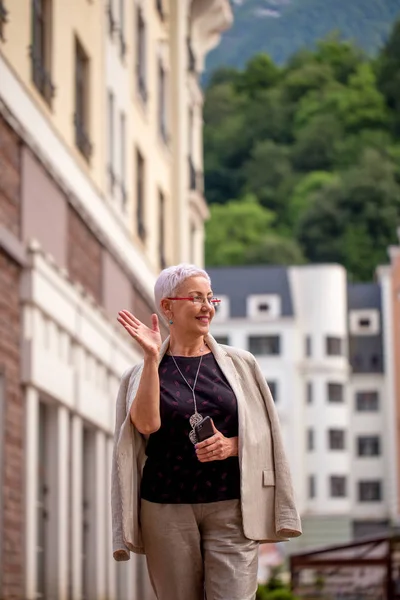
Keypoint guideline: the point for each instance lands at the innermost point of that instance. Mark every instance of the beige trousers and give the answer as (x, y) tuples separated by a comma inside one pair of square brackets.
[(198, 549)]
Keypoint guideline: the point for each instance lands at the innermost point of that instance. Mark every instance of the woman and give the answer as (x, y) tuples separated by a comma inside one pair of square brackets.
[(198, 510)]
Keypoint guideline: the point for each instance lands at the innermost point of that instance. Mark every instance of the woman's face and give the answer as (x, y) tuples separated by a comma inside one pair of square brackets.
[(188, 316)]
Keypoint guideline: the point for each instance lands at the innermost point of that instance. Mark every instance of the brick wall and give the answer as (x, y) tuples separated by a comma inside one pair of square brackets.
[(84, 255), (12, 517)]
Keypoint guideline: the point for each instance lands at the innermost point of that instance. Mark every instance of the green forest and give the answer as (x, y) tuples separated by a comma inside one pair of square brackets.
[(282, 27), (302, 161)]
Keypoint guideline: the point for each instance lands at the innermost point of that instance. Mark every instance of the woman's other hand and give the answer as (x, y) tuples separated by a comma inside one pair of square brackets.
[(217, 447), (148, 339)]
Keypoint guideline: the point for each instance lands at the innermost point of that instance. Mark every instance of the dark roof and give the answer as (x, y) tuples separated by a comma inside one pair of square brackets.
[(240, 282), (363, 295)]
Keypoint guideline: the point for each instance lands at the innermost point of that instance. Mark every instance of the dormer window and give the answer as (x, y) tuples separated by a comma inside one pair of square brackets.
[(364, 322), (264, 306)]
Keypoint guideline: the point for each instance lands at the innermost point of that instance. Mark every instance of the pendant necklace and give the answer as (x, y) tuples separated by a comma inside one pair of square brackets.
[(196, 417)]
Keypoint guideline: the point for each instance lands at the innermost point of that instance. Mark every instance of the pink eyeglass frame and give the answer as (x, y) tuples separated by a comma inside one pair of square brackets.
[(216, 301)]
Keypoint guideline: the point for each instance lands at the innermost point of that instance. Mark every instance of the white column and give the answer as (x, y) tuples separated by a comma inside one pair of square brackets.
[(111, 564), (389, 403), (76, 506), (31, 489), (98, 521), (58, 460)]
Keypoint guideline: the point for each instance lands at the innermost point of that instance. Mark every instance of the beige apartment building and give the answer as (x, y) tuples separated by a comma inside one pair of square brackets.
[(101, 185)]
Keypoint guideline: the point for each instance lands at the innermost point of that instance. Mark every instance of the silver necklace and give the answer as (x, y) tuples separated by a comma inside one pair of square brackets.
[(196, 417)]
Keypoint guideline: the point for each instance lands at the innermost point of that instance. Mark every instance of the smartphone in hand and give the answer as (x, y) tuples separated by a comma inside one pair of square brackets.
[(204, 429)]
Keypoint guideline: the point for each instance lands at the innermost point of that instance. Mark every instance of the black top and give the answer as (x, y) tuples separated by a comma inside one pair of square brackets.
[(172, 473)]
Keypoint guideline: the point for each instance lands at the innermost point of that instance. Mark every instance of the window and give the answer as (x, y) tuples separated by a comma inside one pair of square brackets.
[(222, 339), (264, 306), (311, 487), (273, 388), (364, 322), (122, 122), (160, 9), (376, 362), (264, 344), (308, 345), (111, 172), (191, 57), (81, 117), (141, 54), (112, 24), (369, 491), (335, 392), (121, 30), (3, 20), (140, 191), (309, 392), (161, 230), (310, 439), (336, 439), (40, 49), (368, 445), (367, 401), (334, 346), (338, 486), (192, 169), (162, 96)]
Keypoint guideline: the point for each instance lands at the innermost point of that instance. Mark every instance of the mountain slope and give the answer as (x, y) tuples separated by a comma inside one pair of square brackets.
[(281, 27)]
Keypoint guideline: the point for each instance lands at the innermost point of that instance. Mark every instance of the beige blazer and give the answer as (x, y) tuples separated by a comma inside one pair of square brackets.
[(268, 506)]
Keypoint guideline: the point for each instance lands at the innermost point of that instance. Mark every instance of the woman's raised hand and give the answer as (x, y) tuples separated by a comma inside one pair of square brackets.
[(149, 339)]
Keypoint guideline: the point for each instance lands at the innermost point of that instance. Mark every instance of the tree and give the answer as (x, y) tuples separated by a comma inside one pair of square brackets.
[(353, 220), (388, 69), (315, 143), (314, 149), (268, 166), (274, 250), (261, 73), (342, 56), (233, 228), (304, 192)]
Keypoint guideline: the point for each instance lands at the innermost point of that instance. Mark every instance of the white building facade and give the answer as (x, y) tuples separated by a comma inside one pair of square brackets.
[(321, 345)]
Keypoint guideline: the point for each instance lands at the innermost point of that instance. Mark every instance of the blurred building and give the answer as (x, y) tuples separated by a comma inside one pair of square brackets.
[(389, 277), (326, 349), (101, 186)]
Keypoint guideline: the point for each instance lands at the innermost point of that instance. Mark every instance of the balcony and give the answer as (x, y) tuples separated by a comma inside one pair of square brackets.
[(196, 178), (82, 140), (41, 77), (112, 23), (210, 19), (141, 83), (3, 20), (191, 58), (160, 9)]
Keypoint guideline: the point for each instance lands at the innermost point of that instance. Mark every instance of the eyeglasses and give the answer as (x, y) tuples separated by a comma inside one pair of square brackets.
[(213, 301)]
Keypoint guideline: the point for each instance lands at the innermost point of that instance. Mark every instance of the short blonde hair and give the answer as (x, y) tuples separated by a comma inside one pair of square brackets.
[(171, 278)]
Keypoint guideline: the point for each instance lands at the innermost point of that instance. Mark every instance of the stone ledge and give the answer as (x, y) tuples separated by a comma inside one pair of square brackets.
[(12, 246)]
